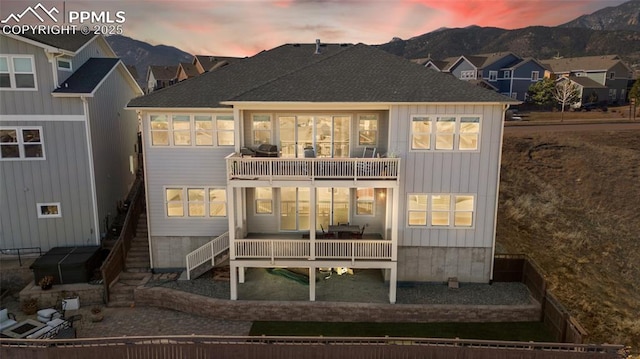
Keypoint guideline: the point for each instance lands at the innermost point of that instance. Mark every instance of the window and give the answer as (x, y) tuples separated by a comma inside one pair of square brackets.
[(506, 74), (264, 200), (367, 130), (440, 210), (17, 72), (469, 133), (64, 65), (365, 201), (420, 133), (448, 133), (183, 130), (196, 202), (613, 94), (17, 143), (261, 129), (49, 210), (535, 75), (493, 75), (612, 75), (468, 74)]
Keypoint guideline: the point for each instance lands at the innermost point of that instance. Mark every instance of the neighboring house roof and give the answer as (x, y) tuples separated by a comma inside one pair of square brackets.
[(189, 69), (210, 62), (163, 72), (87, 78), (585, 82), (483, 83), (340, 73), (133, 71), (483, 60), (585, 63), (526, 61), (68, 42)]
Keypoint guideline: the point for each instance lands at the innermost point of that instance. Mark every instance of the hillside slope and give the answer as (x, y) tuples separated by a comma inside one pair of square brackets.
[(570, 201), (625, 16)]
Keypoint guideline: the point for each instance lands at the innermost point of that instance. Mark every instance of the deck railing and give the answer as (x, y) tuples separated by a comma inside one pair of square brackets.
[(207, 252), (269, 168), (274, 249)]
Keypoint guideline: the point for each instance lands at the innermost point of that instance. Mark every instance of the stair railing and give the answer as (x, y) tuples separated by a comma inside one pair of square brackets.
[(207, 252)]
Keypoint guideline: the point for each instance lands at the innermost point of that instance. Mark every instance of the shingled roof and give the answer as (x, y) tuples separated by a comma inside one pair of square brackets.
[(163, 72), (339, 73), (585, 63), (87, 77), (69, 42)]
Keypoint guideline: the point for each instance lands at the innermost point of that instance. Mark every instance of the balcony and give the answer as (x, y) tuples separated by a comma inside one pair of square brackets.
[(306, 169)]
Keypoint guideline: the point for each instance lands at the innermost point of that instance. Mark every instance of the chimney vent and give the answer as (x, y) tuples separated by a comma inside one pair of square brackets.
[(317, 47)]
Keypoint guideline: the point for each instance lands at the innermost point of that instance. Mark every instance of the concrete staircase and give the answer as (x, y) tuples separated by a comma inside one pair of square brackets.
[(137, 268)]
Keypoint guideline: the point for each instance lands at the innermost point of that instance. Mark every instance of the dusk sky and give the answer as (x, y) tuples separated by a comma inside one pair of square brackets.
[(245, 27)]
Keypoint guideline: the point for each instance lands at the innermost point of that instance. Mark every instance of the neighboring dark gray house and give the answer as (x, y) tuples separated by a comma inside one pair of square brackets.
[(67, 146), (607, 70), (160, 77), (365, 160)]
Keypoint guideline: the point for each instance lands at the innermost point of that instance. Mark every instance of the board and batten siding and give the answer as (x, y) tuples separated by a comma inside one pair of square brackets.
[(62, 177), (113, 139), (450, 172), (182, 167), (38, 102)]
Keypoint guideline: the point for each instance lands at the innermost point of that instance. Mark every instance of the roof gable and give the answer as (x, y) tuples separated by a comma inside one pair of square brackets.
[(585, 63), (68, 42), (87, 78)]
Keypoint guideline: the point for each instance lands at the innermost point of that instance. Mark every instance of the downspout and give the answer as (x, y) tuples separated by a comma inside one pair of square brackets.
[(92, 175), (141, 118), (495, 214)]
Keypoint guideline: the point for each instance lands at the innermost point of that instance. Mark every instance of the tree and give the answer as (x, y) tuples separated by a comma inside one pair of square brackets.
[(634, 93), (566, 93), (541, 92)]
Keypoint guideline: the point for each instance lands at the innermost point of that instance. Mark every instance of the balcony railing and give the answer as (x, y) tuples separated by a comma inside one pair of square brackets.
[(274, 249), (269, 168)]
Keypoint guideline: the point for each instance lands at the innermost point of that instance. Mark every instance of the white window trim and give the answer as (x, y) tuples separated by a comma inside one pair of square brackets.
[(253, 133), (255, 203), (506, 74), (612, 75), (452, 211), (192, 130), (358, 116), (468, 75), (493, 75), (372, 201), (12, 73), (41, 215), (535, 75), (70, 69), (185, 203), (456, 133), (21, 144)]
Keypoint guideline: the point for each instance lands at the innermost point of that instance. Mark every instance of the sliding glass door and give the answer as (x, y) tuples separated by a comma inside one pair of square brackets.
[(328, 135), (294, 209)]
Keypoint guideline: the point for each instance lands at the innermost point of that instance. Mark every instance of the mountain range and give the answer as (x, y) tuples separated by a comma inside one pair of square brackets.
[(612, 30)]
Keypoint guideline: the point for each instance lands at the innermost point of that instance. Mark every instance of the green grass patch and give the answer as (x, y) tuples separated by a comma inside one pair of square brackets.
[(517, 331)]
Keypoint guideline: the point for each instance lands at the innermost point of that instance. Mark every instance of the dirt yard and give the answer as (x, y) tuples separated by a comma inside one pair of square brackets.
[(571, 200)]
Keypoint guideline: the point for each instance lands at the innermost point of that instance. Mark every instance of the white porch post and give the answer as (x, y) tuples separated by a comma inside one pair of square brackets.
[(312, 226), (393, 283), (233, 279), (312, 284), (394, 222), (241, 274)]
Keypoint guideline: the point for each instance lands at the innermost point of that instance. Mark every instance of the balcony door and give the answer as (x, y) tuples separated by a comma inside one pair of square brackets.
[(294, 209), (332, 206), (328, 135)]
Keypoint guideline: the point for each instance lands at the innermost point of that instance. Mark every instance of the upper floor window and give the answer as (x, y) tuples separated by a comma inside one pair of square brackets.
[(535, 75), (468, 74), (440, 210), (612, 75), (261, 126), (17, 72), (64, 65), (493, 75), (21, 143), (457, 132), (367, 130), (192, 130), (506, 74), (264, 200)]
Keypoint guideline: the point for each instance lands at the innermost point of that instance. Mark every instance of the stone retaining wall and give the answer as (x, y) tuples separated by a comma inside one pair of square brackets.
[(245, 310), (88, 294)]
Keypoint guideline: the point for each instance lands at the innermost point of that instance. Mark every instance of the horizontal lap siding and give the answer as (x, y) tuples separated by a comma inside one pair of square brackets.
[(62, 177), (449, 172)]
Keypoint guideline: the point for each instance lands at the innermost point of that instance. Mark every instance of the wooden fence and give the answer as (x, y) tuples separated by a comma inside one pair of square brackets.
[(297, 347), (521, 268), (115, 261)]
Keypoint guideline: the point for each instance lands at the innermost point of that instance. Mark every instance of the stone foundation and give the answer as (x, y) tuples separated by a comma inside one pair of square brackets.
[(246, 310), (89, 294)]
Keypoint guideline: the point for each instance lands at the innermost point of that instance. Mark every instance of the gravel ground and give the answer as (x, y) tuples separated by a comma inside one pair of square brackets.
[(364, 286)]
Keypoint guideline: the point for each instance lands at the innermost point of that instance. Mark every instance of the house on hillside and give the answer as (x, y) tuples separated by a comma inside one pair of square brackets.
[(589, 90), (160, 77), (607, 70), (325, 155), (186, 70), (67, 144)]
